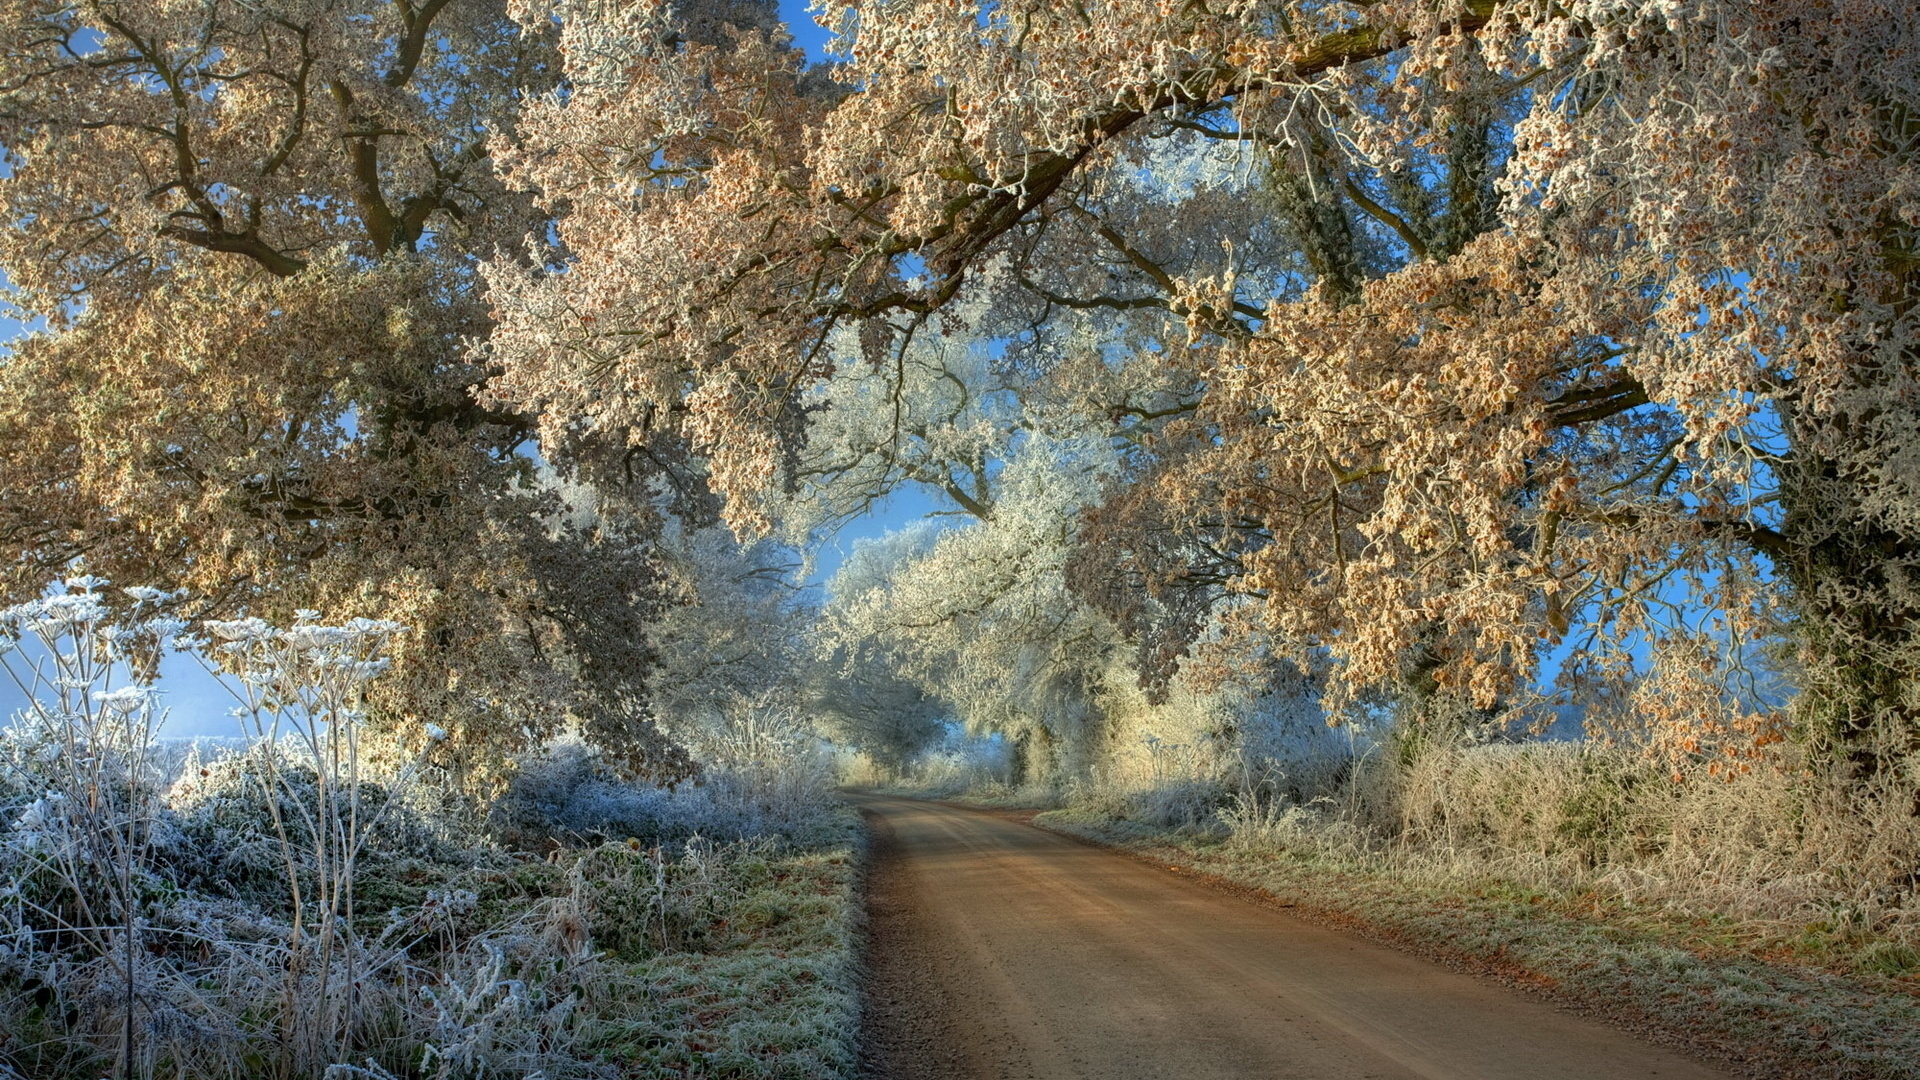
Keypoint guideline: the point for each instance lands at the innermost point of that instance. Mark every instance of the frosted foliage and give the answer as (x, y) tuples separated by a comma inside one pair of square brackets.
[(1494, 326), (1428, 338), (909, 402), (866, 706), (751, 190), (980, 615), (979, 620), (289, 909), (251, 231), (149, 136), (184, 929), (736, 637)]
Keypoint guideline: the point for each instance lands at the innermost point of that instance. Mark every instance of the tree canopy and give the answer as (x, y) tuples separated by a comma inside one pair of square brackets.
[(1413, 342), (252, 232)]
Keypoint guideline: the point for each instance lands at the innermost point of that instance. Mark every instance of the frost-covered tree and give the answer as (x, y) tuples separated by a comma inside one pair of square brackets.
[(979, 617), (250, 232), (862, 701), (736, 639), (1425, 335), (1528, 318)]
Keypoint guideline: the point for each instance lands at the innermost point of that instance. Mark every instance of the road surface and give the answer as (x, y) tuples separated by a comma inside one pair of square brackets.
[(1001, 951)]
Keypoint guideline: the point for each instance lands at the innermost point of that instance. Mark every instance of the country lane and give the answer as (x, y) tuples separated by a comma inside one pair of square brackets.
[(1001, 951)]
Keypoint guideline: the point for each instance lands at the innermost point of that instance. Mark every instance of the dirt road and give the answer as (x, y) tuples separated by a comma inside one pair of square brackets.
[(1004, 951)]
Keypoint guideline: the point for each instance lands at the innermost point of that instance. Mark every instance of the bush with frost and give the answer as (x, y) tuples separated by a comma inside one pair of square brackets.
[(767, 770), (565, 795), (300, 907), (226, 810), (209, 927), (763, 770), (637, 901)]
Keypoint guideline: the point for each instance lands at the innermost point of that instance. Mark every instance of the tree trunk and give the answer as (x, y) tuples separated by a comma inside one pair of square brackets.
[(1852, 526), (1856, 585)]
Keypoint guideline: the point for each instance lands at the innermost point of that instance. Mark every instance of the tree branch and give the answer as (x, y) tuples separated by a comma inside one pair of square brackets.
[(414, 23), (363, 153), (276, 262), (1597, 403), (1382, 214), (975, 220)]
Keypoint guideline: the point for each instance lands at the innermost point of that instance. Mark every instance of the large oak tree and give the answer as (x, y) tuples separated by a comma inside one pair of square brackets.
[(251, 230)]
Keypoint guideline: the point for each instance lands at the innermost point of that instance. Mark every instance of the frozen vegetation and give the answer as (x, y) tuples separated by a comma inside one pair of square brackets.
[(1306, 406), (300, 904)]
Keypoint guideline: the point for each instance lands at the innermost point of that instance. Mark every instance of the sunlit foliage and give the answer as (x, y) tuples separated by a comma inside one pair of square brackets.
[(1511, 325), (251, 231)]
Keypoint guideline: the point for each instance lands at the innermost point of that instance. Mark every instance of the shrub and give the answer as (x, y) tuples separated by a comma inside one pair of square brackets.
[(285, 909), (566, 796), (636, 901), (766, 770)]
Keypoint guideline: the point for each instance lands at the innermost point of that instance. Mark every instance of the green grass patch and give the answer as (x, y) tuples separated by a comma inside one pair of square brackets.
[(769, 991)]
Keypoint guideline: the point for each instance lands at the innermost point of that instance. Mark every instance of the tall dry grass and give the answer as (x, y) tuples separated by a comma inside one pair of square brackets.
[(1782, 854)]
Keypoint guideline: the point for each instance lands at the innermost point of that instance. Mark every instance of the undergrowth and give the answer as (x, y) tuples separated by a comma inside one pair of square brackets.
[(280, 907)]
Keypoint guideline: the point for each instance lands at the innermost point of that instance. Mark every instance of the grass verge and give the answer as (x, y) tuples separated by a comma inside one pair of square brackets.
[(771, 991)]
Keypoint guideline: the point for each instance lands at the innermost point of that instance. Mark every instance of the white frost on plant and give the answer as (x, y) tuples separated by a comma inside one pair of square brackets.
[(315, 637), (126, 701), (239, 630)]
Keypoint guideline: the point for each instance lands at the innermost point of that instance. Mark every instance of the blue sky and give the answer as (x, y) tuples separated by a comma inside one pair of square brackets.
[(806, 32)]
